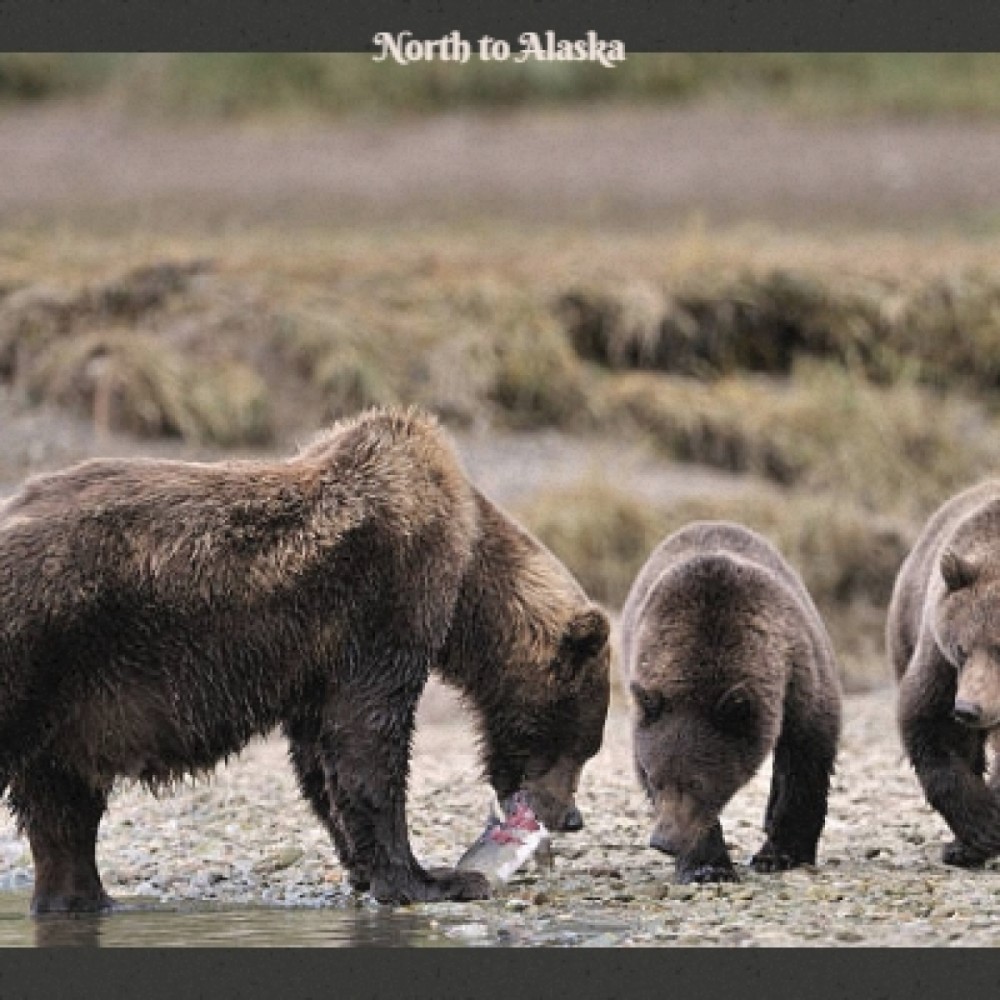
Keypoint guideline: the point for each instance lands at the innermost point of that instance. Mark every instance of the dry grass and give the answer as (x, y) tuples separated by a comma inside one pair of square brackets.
[(901, 449), (602, 534), (944, 330), (857, 376), (847, 557), (811, 376), (127, 381), (536, 380), (710, 328)]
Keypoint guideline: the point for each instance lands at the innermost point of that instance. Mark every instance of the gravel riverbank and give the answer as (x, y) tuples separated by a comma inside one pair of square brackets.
[(246, 837)]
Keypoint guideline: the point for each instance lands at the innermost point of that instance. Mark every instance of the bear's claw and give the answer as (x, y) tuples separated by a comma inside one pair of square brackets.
[(961, 855), (706, 873), (434, 886), (770, 859)]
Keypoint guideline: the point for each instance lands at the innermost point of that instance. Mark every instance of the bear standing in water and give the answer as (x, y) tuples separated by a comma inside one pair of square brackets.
[(727, 660), (943, 638), (154, 616)]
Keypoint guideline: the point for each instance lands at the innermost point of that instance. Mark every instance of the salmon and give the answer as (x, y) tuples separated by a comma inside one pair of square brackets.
[(509, 840)]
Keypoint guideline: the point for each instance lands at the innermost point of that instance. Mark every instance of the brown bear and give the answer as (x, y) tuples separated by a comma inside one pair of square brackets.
[(943, 639), (156, 615), (727, 660)]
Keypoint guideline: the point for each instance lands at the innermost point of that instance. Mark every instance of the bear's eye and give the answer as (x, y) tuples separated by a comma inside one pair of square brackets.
[(695, 786), (960, 654), (651, 704)]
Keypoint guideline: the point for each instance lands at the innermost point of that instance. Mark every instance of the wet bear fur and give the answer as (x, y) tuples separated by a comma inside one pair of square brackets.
[(727, 661), (155, 616), (943, 639)]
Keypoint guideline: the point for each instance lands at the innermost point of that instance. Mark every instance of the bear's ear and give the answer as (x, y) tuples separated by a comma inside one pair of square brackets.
[(650, 703), (736, 711), (957, 571), (586, 635)]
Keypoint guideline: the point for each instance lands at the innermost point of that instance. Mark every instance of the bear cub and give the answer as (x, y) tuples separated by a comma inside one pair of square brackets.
[(943, 638), (727, 660)]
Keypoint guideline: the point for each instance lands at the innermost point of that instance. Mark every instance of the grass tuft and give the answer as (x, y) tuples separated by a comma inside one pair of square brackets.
[(131, 382), (847, 557)]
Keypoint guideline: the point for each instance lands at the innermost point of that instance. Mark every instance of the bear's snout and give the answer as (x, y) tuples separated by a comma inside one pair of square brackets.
[(968, 713), (552, 796), (661, 842), (572, 821)]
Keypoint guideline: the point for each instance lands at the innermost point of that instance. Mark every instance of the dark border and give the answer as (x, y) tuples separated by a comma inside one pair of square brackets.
[(552, 974), (643, 25)]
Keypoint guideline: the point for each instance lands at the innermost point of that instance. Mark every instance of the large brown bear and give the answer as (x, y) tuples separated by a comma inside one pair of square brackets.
[(727, 660), (154, 616), (943, 638)]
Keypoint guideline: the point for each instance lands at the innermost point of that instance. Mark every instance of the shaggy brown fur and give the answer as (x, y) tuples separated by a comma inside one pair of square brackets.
[(727, 660), (943, 638), (154, 616)]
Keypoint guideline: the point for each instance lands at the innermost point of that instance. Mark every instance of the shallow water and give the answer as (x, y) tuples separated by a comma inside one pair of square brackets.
[(139, 923), (206, 925)]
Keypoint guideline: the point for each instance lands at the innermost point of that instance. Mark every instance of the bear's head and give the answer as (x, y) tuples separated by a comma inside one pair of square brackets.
[(539, 739), (529, 651), (709, 666), (691, 758), (967, 631)]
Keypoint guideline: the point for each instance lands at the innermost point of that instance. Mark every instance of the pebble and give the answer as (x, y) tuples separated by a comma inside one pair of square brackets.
[(849, 936), (246, 837), (284, 858), (468, 931)]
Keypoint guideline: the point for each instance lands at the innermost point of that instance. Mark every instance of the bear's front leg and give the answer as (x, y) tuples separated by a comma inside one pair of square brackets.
[(960, 855), (955, 852), (60, 812), (800, 784), (949, 760), (365, 753), (708, 860)]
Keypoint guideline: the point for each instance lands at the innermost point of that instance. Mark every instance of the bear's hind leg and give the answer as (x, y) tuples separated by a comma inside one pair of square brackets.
[(367, 732), (796, 807), (60, 813), (313, 782)]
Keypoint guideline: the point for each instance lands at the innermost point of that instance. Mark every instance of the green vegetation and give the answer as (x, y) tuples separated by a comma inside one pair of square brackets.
[(243, 84)]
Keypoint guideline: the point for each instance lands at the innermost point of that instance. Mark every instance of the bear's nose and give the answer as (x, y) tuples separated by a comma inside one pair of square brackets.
[(661, 843), (968, 713), (572, 821)]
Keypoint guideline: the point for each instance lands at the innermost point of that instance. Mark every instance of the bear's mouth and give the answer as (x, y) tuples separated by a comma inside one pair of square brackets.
[(972, 716), (556, 815)]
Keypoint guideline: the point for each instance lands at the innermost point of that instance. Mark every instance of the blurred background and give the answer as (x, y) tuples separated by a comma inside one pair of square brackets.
[(761, 287)]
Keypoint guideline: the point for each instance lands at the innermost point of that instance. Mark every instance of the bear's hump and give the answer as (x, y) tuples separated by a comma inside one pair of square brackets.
[(235, 525)]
